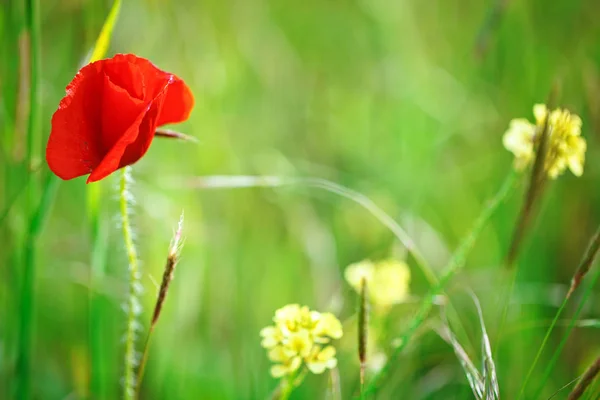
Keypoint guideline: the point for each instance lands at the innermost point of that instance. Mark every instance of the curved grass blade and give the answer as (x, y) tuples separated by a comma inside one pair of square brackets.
[(489, 368), (457, 261), (455, 264), (474, 378), (247, 181)]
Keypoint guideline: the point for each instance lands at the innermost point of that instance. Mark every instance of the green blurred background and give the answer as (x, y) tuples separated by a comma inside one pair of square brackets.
[(405, 101)]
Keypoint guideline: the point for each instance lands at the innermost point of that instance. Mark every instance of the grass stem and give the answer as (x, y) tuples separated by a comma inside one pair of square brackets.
[(550, 365), (133, 306), (26, 304), (455, 264)]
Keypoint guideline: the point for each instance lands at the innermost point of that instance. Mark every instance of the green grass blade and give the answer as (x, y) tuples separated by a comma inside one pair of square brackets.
[(489, 368), (28, 287), (26, 303), (552, 363), (246, 181), (456, 263), (471, 372), (98, 306), (103, 40), (584, 266)]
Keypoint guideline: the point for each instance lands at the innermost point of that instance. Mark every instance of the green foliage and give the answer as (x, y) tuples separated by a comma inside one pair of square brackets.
[(389, 99)]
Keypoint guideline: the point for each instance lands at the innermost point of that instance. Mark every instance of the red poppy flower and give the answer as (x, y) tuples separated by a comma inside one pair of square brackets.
[(109, 115)]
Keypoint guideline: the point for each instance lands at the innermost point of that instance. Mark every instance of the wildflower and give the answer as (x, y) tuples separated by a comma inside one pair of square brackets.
[(388, 281), (109, 115), (298, 337), (320, 360), (566, 147), (327, 326)]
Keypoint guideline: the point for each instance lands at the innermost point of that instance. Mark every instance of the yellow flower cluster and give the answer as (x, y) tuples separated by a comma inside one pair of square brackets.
[(387, 281), (301, 336), (566, 147)]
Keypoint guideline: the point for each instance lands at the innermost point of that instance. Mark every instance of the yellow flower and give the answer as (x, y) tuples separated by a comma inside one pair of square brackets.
[(320, 360), (519, 141), (271, 336), (298, 343), (387, 281), (295, 339), (566, 147), (287, 361), (327, 326), (292, 318)]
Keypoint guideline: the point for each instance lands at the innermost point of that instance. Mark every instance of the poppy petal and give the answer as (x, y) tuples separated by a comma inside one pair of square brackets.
[(124, 71), (111, 161), (137, 149), (110, 113), (119, 110), (134, 143), (74, 147), (178, 104)]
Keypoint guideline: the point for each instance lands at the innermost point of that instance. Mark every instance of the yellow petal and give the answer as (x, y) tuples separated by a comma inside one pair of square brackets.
[(279, 354), (269, 342), (355, 273), (540, 111), (329, 325), (317, 367), (519, 137), (390, 284)]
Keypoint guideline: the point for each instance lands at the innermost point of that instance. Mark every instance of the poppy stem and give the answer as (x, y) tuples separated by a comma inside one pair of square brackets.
[(133, 307)]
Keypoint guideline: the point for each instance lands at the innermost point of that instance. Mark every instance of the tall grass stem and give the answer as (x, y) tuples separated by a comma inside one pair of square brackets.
[(27, 300), (133, 305), (97, 330), (550, 365), (583, 268)]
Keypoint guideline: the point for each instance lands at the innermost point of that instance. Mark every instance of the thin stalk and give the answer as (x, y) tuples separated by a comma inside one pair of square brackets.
[(23, 367), (97, 330), (586, 263), (594, 392), (27, 289), (334, 390), (168, 274), (586, 380), (510, 288), (542, 346), (363, 332), (143, 362), (552, 363), (32, 20), (133, 306), (97, 302), (535, 189), (584, 266), (455, 264)]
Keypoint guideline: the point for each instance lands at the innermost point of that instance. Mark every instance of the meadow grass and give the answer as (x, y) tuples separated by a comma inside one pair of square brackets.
[(349, 131)]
